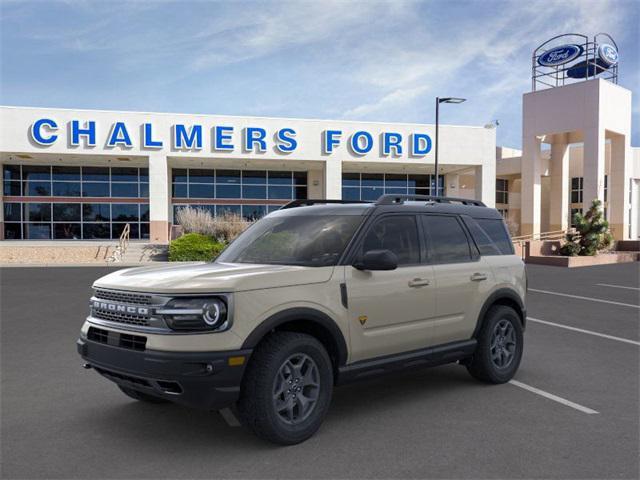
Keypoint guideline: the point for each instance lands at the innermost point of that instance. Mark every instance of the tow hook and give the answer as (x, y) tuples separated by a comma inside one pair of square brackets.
[(86, 366)]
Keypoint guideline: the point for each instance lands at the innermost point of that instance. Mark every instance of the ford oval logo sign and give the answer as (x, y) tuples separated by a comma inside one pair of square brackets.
[(608, 54), (560, 55)]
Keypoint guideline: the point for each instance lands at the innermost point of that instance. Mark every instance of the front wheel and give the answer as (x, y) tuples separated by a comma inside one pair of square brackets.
[(500, 345), (287, 388)]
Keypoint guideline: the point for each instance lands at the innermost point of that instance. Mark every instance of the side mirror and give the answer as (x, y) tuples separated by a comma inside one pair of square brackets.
[(377, 260)]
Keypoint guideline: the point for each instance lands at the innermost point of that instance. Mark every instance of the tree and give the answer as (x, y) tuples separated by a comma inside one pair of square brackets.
[(591, 235)]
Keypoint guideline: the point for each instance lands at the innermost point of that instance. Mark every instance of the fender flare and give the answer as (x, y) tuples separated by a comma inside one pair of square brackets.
[(300, 313), (501, 294)]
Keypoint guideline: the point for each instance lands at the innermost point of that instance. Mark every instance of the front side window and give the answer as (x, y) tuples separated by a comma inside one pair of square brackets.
[(447, 241), (310, 241), (397, 233)]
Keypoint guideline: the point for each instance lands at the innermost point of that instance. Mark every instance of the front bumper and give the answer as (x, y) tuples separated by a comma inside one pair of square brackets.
[(204, 380)]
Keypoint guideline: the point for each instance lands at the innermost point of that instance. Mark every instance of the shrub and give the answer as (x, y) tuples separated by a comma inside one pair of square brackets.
[(194, 247), (223, 228), (591, 235)]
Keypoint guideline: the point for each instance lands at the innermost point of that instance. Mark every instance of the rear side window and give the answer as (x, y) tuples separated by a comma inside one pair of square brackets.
[(497, 232), (398, 233), (485, 245), (447, 241)]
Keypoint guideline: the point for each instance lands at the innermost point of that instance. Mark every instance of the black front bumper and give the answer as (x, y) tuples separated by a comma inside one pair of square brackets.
[(203, 380)]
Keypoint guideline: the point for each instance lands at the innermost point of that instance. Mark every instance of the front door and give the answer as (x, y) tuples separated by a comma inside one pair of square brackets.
[(390, 311)]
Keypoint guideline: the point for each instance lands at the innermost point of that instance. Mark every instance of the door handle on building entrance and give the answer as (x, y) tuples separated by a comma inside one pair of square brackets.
[(419, 282), (478, 277)]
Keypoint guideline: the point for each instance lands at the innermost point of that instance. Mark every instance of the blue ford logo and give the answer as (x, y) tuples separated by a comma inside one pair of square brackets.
[(560, 55), (608, 54)]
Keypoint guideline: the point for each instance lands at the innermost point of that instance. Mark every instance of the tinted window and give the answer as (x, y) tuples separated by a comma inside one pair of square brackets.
[(398, 234), (497, 232), (447, 240), (482, 240)]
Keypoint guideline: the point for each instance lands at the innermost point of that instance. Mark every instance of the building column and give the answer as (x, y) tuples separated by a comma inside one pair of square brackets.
[(531, 186), (485, 183), (559, 195), (159, 198), (452, 185), (593, 167), (618, 187), (333, 179), (315, 188), (1, 210)]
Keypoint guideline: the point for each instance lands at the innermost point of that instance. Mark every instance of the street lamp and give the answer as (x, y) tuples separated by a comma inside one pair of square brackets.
[(438, 102)]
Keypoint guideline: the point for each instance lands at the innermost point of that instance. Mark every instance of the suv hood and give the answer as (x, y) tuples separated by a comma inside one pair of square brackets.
[(211, 277)]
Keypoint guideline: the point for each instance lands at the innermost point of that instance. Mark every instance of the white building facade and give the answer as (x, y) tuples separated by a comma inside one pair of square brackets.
[(85, 174)]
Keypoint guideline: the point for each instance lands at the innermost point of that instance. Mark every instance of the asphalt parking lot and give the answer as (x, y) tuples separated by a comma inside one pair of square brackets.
[(572, 413)]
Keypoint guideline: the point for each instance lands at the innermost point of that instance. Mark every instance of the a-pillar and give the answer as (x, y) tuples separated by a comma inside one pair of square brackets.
[(485, 183), (159, 198), (593, 167), (333, 179), (618, 188), (531, 186), (559, 206)]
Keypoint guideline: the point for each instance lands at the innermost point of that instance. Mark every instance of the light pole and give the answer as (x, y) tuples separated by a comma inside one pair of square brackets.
[(438, 102)]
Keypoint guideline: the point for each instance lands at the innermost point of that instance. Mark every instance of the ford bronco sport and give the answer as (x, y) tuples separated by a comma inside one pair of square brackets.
[(313, 295)]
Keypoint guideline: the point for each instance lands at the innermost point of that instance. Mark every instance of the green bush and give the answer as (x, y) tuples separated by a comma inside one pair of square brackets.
[(591, 235), (194, 247)]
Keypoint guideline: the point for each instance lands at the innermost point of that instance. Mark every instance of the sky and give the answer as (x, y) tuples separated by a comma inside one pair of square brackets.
[(344, 60)]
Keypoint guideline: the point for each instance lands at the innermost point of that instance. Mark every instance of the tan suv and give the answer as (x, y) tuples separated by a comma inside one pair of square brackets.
[(316, 294)]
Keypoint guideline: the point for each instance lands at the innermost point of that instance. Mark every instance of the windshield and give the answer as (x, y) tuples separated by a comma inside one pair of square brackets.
[(310, 241)]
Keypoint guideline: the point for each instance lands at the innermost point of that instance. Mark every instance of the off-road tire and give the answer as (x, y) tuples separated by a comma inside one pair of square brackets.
[(482, 366), (256, 404), (141, 396)]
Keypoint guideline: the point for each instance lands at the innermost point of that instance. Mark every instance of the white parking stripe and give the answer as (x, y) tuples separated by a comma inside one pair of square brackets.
[(553, 397), (616, 286), (588, 332), (584, 298)]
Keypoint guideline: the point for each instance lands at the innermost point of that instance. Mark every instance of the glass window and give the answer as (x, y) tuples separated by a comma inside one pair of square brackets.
[(419, 181), (199, 190), (300, 193), (395, 190), (179, 175), (253, 212), (12, 231), (200, 175), (12, 189), (95, 189), (372, 180), (144, 212), (124, 174), (66, 173), (350, 179), (254, 177), (371, 193), (37, 212), (230, 209), (36, 172), (502, 190), (228, 191), (144, 230), (37, 189), (350, 193), (179, 190), (96, 230), (66, 189), (497, 232), (66, 212), (280, 193), (576, 190), (96, 212), (95, 174), (144, 174), (71, 231), (11, 172), (12, 212), (395, 180), (144, 190), (255, 191), (397, 233), (117, 228), (228, 176), (300, 178), (37, 231), (313, 240), (447, 240), (124, 212), (280, 178), (124, 190)]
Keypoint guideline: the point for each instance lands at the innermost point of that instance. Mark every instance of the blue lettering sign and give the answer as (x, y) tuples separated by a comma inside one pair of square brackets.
[(330, 140), (286, 140), (391, 140), (420, 144), (187, 139), (147, 138), (222, 137), (37, 134), (89, 131), (119, 136), (255, 136), (359, 147)]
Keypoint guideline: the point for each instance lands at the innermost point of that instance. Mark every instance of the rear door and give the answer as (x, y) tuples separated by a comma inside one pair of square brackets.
[(462, 277)]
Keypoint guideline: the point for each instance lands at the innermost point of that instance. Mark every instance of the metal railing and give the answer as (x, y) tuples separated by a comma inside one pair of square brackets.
[(123, 244)]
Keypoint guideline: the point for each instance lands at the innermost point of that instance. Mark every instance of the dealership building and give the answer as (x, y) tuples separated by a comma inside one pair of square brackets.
[(86, 174)]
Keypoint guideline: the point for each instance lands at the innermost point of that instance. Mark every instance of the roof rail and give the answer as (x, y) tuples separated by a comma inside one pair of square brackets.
[(309, 202), (391, 199)]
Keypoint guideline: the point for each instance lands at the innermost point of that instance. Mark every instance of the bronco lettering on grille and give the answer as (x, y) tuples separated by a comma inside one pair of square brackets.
[(114, 307)]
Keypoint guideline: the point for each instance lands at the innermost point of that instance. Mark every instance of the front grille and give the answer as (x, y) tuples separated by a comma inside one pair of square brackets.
[(124, 297), (129, 319), (122, 340)]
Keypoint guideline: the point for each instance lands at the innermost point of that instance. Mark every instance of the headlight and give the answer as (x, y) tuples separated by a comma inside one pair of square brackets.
[(195, 314)]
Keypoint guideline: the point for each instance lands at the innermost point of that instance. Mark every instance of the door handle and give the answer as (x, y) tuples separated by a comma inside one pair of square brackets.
[(419, 282), (478, 277)]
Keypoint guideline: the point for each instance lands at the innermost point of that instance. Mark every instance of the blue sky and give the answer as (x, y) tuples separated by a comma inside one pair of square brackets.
[(355, 60)]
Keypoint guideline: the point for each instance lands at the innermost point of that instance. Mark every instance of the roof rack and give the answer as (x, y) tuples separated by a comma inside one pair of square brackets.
[(395, 199), (309, 202)]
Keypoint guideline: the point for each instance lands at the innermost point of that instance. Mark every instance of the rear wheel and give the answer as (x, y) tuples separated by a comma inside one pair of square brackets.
[(141, 396), (500, 345), (287, 388)]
